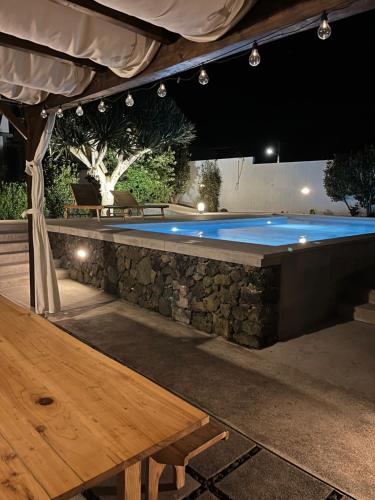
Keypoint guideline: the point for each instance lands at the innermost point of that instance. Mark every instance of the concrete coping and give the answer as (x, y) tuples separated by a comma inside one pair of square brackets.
[(228, 251)]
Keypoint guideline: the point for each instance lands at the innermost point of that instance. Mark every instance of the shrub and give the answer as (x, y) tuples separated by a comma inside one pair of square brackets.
[(351, 177), (59, 173), (151, 178), (182, 172), (210, 185), (13, 200)]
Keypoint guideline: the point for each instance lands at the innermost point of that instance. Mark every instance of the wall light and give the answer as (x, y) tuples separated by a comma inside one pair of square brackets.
[(305, 190), (201, 207), (81, 253)]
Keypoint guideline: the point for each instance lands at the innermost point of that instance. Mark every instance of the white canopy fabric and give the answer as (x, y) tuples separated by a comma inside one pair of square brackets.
[(47, 297), (196, 20), (22, 94), (77, 34), (29, 77), (42, 73)]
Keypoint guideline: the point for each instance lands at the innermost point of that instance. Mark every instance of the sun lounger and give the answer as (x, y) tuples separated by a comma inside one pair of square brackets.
[(86, 197), (126, 201)]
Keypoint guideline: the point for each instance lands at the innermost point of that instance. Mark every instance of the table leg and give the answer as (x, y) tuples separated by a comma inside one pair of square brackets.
[(129, 483), (154, 471)]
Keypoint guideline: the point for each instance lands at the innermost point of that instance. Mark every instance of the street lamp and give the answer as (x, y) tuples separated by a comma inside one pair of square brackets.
[(271, 151)]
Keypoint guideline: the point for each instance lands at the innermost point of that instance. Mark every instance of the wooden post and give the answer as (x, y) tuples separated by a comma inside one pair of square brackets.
[(34, 125)]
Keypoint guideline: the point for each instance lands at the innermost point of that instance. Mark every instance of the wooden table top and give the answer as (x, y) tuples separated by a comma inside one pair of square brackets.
[(70, 416)]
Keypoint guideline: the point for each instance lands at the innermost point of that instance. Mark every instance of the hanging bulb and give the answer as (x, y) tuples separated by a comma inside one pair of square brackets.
[(203, 77), (102, 107), (162, 91), (324, 30), (129, 101), (44, 113), (59, 112), (79, 110), (254, 57)]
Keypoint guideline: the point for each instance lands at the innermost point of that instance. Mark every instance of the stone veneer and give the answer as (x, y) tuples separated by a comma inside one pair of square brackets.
[(235, 301)]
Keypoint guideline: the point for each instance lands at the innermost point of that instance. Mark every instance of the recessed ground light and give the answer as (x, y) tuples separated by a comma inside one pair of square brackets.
[(81, 253), (201, 207)]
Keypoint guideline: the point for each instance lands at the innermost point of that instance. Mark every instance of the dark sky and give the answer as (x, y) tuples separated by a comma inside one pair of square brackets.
[(316, 97)]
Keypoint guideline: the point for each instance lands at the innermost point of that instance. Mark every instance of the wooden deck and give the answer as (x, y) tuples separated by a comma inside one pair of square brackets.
[(71, 417)]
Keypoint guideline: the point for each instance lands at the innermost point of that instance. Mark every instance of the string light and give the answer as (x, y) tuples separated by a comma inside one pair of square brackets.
[(79, 110), (324, 30), (162, 91), (44, 113), (203, 77), (129, 101), (254, 57), (102, 107)]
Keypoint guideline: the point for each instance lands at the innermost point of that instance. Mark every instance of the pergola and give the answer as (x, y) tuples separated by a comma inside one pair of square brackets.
[(65, 52)]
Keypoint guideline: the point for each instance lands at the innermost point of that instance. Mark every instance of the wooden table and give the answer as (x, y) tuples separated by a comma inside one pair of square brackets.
[(70, 417)]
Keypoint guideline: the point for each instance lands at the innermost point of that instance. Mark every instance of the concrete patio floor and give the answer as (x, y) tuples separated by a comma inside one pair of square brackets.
[(302, 413)]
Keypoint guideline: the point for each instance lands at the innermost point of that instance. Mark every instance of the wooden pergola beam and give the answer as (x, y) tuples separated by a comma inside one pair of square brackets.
[(95, 9), (12, 42), (269, 18), (16, 122)]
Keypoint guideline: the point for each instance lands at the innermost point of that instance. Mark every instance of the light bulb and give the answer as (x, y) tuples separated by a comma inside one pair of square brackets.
[(254, 57), (162, 91), (129, 101), (102, 107), (324, 30), (203, 77), (59, 112), (79, 110), (44, 113)]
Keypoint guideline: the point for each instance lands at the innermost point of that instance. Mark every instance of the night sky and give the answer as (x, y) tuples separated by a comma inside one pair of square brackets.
[(315, 97)]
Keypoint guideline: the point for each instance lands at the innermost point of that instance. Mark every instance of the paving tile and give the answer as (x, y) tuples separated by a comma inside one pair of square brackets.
[(207, 495), (268, 477), (222, 454), (106, 491)]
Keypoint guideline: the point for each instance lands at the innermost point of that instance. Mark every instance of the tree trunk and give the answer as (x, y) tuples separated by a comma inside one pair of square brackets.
[(105, 190)]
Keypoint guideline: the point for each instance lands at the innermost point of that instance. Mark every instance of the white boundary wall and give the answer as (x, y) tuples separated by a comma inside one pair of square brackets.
[(268, 187)]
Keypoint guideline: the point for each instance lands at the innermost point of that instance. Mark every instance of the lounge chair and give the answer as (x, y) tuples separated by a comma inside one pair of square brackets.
[(86, 197), (126, 201)]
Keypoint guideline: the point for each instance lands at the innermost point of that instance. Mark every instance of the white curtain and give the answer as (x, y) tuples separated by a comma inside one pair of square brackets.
[(47, 297)]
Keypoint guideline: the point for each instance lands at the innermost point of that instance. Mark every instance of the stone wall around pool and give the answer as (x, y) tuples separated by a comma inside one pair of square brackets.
[(236, 301)]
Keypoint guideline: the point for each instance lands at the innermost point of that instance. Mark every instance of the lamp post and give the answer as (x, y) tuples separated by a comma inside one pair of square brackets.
[(271, 151)]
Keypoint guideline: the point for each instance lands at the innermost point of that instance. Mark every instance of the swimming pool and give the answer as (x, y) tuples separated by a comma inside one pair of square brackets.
[(269, 231)]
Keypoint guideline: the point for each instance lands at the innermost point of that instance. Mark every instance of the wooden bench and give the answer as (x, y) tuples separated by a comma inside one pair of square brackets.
[(179, 454)]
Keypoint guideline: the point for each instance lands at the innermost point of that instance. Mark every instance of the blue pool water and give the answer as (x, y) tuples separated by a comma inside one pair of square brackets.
[(272, 231)]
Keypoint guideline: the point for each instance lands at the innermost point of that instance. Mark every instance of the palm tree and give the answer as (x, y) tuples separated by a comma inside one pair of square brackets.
[(108, 143)]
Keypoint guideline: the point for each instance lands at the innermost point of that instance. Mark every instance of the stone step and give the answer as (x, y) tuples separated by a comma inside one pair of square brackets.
[(62, 274), (11, 268), (365, 313), (371, 296), (13, 236), (13, 257), (14, 246), (14, 280), (21, 277)]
